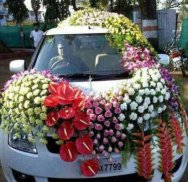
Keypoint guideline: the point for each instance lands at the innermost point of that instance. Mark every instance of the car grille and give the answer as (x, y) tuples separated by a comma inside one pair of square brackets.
[(129, 178)]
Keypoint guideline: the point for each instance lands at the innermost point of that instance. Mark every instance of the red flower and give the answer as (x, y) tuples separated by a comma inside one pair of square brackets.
[(65, 93), (68, 152), (81, 121), (51, 101), (78, 93), (67, 113), (66, 130), (79, 104), (53, 88), (52, 118), (84, 145), (90, 167)]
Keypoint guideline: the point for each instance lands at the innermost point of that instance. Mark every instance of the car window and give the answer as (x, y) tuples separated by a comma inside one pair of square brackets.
[(73, 54)]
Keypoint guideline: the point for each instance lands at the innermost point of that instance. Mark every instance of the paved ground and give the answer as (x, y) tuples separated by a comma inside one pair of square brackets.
[(5, 74)]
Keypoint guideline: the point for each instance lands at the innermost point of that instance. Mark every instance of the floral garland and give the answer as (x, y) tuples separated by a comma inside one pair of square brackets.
[(121, 28)]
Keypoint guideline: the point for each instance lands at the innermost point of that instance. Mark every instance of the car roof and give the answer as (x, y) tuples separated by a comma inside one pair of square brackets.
[(76, 30)]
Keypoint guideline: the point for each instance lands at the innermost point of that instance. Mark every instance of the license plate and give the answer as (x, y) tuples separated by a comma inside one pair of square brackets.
[(114, 165)]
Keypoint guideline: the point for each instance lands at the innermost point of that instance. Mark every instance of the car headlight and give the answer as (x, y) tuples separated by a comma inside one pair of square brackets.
[(21, 143)]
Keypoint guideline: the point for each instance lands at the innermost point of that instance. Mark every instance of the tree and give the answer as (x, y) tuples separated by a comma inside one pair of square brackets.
[(18, 9), (63, 9), (52, 10), (36, 6)]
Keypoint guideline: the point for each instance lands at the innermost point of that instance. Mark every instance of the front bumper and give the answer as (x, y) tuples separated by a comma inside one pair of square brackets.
[(48, 167)]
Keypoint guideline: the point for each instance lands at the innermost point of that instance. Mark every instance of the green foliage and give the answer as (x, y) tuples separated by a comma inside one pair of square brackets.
[(121, 29), (18, 9)]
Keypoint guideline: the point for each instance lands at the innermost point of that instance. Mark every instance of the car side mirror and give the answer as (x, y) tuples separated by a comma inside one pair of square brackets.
[(16, 66)]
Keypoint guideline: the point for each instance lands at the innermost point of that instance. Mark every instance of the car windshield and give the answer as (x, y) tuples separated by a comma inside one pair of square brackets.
[(78, 56)]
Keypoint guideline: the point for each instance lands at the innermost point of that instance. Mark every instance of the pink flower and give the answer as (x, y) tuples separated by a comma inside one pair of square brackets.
[(98, 127), (91, 133), (88, 105), (92, 117), (117, 126), (108, 106), (98, 136), (91, 125), (120, 144), (117, 110), (107, 123), (108, 114), (111, 132), (114, 139), (123, 136), (115, 120), (100, 118), (95, 104), (89, 111), (103, 102), (101, 148), (98, 110), (115, 104), (106, 132), (105, 140), (118, 134)]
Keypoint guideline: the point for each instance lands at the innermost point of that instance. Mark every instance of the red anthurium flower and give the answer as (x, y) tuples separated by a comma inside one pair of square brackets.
[(53, 88), (52, 118), (67, 113), (65, 130), (78, 93), (90, 167), (81, 121), (79, 103), (84, 145), (68, 152), (50, 101), (66, 92)]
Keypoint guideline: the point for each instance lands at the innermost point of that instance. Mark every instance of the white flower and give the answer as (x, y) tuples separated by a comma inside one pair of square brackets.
[(155, 100), (163, 81), (122, 126), (146, 116), (141, 92), (145, 105), (131, 91), (164, 107), (151, 108), (140, 120), (153, 114), (159, 84), (153, 84), (167, 96), (147, 100), (163, 91), (123, 106), (133, 106), (133, 116), (159, 110), (139, 99), (136, 86), (147, 92), (121, 117), (130, 126), (145, 84), (158, 89), (152, 92), (161, 98), (141, 109), (37, 100)]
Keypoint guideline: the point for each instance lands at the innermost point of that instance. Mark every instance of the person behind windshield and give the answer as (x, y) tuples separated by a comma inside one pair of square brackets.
[(66, 59)]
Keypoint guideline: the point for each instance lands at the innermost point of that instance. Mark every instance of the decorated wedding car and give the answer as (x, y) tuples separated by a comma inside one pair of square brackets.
[(94, 103)]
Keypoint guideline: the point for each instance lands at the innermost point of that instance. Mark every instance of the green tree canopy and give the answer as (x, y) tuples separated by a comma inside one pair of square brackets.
[(18, 9)]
